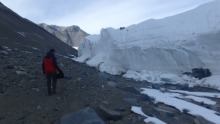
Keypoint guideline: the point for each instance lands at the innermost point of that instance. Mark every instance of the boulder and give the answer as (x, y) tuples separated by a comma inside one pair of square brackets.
[(164, 112), (131, 101), (109, 114), (3, 76), (18, 117), (168, 108), (2, 117), (145, 97), (4, 53), (112, 84), (120, 109), (132, 90), (201, 73), (201, 120), (21, 72), (84, 116)]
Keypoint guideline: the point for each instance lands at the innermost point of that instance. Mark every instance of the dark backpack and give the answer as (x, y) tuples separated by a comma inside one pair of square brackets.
[(60, 75)]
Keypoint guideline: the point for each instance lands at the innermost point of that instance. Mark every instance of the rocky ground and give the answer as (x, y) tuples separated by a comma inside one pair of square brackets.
[(89, 95)]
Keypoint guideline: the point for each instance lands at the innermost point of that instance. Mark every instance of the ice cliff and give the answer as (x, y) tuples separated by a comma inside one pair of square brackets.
[(174, 44)]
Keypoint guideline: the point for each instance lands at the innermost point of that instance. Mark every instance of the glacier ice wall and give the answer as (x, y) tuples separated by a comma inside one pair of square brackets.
[(174, 44)]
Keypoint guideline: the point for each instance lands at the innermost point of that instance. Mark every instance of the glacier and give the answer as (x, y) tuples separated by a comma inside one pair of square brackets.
[(174, 44)]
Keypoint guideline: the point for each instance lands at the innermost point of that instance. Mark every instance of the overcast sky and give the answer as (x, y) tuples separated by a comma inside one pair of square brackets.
[(93, 15)]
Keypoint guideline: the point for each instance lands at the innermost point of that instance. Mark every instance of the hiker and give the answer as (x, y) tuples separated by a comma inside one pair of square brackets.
[(50, 69)]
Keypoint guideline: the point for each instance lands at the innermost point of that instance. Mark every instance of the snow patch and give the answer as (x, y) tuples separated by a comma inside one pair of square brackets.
[(205, 94), (138, 110), (22, 33), (39, 36), (169, 99), (75, 47)]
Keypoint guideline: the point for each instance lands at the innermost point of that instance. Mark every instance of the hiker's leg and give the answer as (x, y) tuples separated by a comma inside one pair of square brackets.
[(54, 82), (48, 75)]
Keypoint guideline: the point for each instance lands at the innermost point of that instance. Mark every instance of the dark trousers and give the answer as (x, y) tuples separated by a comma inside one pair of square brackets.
[(54, 83)]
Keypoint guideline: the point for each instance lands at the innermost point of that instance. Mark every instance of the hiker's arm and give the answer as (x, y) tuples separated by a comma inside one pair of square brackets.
[(55, 64)]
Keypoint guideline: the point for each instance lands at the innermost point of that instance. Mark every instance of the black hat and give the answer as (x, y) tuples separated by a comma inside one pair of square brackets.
[(52, 50)]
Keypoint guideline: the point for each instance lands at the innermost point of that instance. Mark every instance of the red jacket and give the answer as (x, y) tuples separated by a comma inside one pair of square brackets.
[(49, 64)]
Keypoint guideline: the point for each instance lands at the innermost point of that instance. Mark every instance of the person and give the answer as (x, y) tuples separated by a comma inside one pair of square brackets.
[(50, 68)]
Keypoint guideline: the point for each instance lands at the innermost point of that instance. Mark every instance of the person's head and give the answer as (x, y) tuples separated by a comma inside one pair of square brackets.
[(52, 51)]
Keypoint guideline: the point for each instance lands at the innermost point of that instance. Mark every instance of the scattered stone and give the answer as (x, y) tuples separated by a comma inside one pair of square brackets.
[(163, 90), (4, 53), (145, 97), (150, 123), (185, 111), (2, 117), (105, 76), (201, 120), (85, 74), (33, 103), (20, 122), (202, 103), (85, 116), (173, 88), (18, 117), (120, 109), (44, 115), (105, 102), (36, 89), (156, 86), (112, 84), (168, 108), (216, 107), (61, 64), (15, 49), (132, 90), (3, 76), (39, 107), (109, 114), (57, 121), (22, 69), (4, 47), (57, 109), (79, 79), (9, 67), (131, 101), (164, 112), (191, 85), (21, 72)]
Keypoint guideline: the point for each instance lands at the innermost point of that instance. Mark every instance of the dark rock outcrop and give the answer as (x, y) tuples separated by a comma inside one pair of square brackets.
[(201, 73)]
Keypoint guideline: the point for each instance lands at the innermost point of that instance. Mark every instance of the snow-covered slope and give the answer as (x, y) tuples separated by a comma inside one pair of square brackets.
[(174, 44)]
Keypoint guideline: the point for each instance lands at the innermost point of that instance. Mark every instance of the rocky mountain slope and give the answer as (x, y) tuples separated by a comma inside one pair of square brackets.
[(20, 33), (71, 35)]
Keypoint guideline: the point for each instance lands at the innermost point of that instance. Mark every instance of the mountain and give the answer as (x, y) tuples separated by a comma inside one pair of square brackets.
[(71, 35), (20, 33), (174, 44)]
